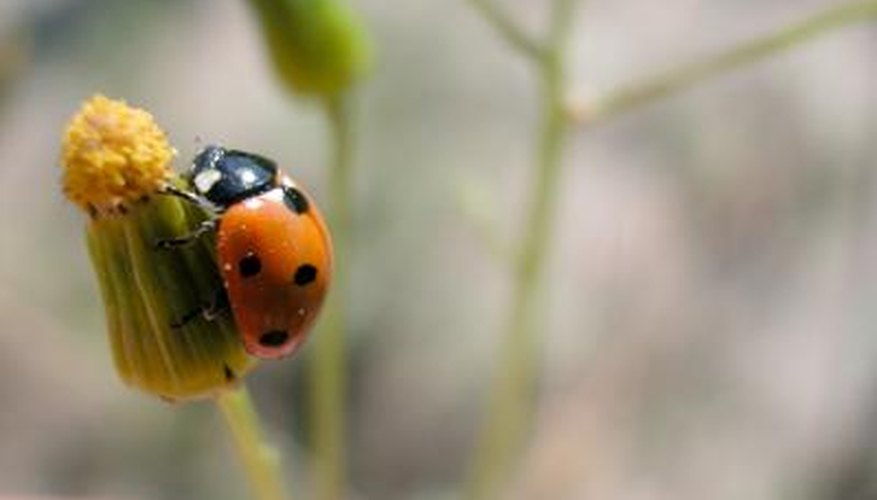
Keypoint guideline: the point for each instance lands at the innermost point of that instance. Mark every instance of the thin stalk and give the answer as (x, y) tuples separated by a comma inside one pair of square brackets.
[(260, 460), (514, 382), (676, 80), (328, 366), (507, 29)]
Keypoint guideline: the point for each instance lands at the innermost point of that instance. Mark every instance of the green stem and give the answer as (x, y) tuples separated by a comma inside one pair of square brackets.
[(676, 80), (507, 29), (514, 382), (260, 460), (328, 366)]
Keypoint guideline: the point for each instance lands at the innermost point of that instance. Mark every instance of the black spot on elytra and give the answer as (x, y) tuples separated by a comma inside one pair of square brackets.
[(295, 200), (228, 373), (274, 338), (249, 265), (305, 274)]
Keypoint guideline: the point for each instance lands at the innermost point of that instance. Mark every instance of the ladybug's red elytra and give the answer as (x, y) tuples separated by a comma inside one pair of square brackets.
[(272, 246)]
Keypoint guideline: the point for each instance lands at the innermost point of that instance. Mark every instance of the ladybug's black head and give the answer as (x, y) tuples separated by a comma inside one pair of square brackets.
[(226, 176)]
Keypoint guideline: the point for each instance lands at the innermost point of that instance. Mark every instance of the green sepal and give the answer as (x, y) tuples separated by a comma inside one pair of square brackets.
[(146, 290)]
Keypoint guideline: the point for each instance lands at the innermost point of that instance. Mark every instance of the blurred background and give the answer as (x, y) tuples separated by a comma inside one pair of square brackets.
[(709, 312)]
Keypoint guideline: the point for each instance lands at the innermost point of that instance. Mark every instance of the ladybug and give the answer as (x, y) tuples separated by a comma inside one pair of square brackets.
[(272, 247)]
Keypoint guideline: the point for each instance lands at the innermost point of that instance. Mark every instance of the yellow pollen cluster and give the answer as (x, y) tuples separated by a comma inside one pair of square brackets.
[(113, 154)]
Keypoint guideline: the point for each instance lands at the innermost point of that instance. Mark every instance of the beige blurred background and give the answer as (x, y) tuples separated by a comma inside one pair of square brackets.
[(709, 326)]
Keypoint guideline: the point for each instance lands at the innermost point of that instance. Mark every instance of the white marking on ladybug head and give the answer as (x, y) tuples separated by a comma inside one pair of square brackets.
[(288, 182), (253, 203), (205, 180), (275, 195), (248, 177)]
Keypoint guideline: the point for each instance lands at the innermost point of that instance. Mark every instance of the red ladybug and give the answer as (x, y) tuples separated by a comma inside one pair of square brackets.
[(272, 245)]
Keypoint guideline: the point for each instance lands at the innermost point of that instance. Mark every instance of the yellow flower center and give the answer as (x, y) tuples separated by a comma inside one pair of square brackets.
[(113, 154)]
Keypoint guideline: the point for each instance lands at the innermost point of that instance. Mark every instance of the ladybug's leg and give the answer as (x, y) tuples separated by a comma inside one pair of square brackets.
[(204, 227), (186, 318), (217, 306), (189, 196)]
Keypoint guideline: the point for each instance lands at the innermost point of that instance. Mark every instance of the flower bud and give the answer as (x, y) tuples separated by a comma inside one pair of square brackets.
[(317, 47), (116, 160)]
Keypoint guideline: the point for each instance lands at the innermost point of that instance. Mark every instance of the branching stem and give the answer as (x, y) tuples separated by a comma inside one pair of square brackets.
[(676, 80), (513, 385), (508, 29)]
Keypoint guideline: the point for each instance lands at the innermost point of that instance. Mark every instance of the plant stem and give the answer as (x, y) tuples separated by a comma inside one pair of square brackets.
[(513, 385), (328, 366), (507, 29), (676, 80), (514, 382), (260, 460)]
